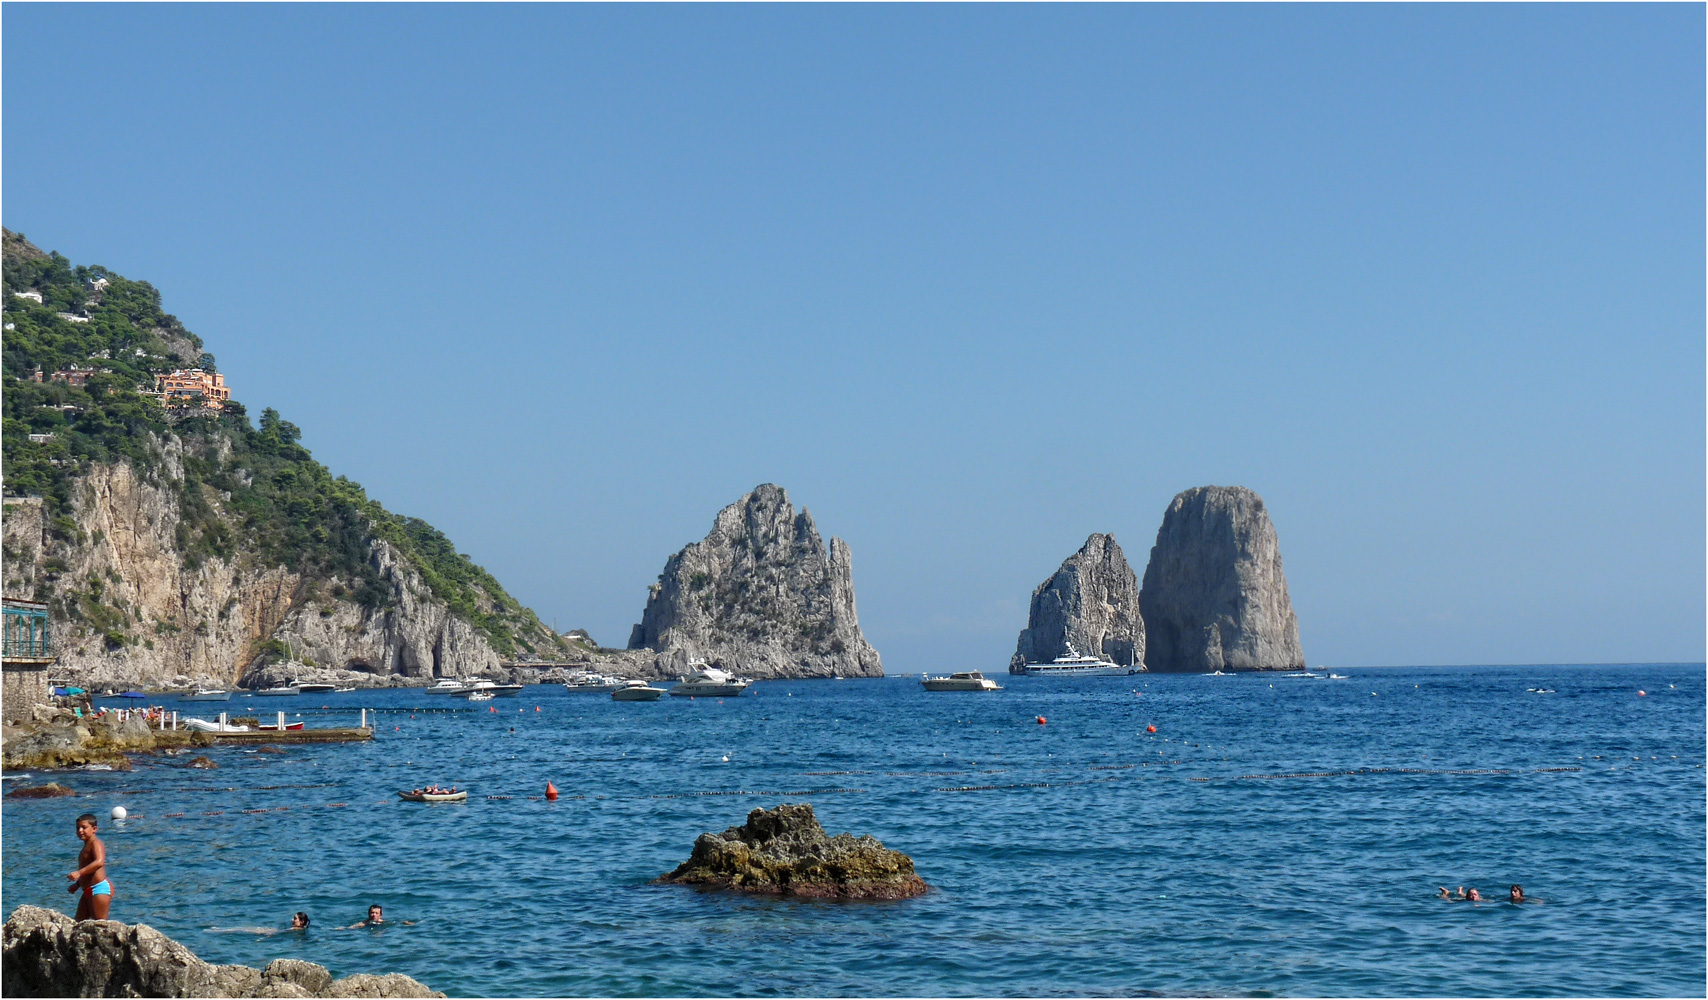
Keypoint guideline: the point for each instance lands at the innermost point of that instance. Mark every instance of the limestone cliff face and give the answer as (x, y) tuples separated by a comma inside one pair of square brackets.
[(123, 573), (762, 594), (1092, 601), (1214, 596)]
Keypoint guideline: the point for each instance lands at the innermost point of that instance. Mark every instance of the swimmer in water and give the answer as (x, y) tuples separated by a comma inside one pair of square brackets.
[(1442, 893), (91, 874), (1473, 896), (299, 920), (1517, 896), (1459, 893), (376, 918)]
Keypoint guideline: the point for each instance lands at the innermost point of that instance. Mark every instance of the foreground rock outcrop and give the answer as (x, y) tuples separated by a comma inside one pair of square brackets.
[(1214, 596), (48, 954), (1092, 601), (784, 851), (761, 595)]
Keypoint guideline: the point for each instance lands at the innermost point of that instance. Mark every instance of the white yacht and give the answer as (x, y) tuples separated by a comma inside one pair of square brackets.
[(449, 685), (480, 696), (209, 694), (590, 683), (710, 682), (279, 692), (1073, 663), (966, 680), (637, 691), (307, 688), (207, 726)]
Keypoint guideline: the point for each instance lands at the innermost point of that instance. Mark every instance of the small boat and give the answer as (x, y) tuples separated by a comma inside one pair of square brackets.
[(209, 694), (449, 685), (204, 726), (479, 696), (338, 690), (275, 727), (306, 688), (637, 691), (504, 690), (966, 680), (433, 797), (278, 692), (710, 682)]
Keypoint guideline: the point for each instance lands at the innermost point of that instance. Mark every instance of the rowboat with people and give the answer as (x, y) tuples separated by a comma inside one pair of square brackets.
[(433, 793)]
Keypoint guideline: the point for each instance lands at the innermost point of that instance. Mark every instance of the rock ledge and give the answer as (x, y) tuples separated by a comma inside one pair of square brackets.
[(784, 851), (48, 954)]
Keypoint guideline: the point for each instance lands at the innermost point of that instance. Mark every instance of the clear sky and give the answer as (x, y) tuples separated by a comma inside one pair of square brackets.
[(970, 282)]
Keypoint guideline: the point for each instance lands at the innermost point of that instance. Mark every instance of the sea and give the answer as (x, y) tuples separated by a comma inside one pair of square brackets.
[(1274, 836)]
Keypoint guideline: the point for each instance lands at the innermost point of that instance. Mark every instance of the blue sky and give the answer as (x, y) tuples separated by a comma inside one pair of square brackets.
[(970, 282)]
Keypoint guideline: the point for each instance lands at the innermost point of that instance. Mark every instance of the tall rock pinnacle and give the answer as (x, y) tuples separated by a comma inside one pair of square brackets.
[(762, 595), (1214, 596), (1092, 601)]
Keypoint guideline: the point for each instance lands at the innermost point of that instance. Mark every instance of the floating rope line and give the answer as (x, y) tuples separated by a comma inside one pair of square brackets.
[(1388, 770)]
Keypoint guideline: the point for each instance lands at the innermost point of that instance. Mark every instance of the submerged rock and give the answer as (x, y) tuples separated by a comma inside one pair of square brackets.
[(1214, 596), (762, 595), (202, 762), (51, 790), (784, 851), (48, 954), (1092, 601)]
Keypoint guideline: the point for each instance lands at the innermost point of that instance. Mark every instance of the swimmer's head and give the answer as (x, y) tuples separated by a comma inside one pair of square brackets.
[(86, 825), (299, 921), (1473, 895), (375, 914), (1517, 895)]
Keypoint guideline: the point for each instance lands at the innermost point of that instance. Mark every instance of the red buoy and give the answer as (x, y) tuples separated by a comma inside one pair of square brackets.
[(551, 792), (1150, 729), (1040, 720), (1642, 694)]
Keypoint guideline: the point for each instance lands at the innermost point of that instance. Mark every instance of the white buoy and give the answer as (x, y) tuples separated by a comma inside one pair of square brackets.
[(119, 812)]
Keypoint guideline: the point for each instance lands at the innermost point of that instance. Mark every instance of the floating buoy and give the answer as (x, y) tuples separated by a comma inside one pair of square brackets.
[(1150, 729), (1642, 694), (1040, 720), (536, 708), (489, 708), (396, 728), (551, 792), (119, 812)]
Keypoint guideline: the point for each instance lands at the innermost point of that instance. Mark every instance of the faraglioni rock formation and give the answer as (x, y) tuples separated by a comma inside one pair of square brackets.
[(1092, 601), (784, 851), (1214, 596), (762, 595), (48, 954)]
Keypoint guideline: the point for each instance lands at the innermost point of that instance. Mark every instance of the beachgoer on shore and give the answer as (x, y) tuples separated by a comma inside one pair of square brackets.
[(91, 873)]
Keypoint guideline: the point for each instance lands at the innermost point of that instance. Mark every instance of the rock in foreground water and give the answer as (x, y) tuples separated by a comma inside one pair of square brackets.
[(784, 851), (48, 954), (1214, 596)]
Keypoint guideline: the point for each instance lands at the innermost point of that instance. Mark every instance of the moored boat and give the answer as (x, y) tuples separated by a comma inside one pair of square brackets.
[(205, 726), (637, 691), (1073, 663), (275, 727), (479, 696), (308, 688), (591, 683), (449, 685), (209, 694), (279, 692), (966, 680), (433, 796), (710, 682)]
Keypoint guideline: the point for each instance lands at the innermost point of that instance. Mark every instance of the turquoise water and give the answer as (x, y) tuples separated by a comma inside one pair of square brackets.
[(1275, 836)]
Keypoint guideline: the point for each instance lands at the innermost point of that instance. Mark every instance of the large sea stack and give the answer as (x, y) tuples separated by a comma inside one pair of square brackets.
[(1214, 596), (1092, 601), (762, 595)]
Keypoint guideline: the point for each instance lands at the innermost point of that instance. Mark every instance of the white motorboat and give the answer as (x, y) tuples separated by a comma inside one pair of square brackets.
[(966, 680), (307, 688), (204, 726), (590, 683), (279, 692), (1075, 664), (503, 690), (710, 682), (480, 696), (450, 685), (209, 694), (637, 691)]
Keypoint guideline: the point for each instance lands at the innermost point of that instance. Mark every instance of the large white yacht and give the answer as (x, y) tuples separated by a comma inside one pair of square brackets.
[(449, 685), (966, 680), (637, 691), (1073, 663), (710, 682), (588, 682)]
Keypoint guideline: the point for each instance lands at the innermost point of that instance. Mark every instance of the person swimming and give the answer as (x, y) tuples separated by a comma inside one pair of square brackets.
[(1473, 896), (1442, 893), (299, 920), (1516, 895)]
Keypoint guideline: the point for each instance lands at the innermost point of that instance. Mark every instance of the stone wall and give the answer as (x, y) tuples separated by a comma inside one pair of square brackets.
[(22, 688)]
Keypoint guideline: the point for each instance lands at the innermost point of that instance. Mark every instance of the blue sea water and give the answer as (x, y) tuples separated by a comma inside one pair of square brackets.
[(1275, 836)]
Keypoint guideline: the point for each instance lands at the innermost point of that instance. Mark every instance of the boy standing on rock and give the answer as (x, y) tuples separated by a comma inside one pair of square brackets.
[(91, 876)]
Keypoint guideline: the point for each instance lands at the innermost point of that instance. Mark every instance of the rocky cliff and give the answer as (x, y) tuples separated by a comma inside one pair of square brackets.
[(1214, 596), (1092, 601), (761, 595), (180, 546)]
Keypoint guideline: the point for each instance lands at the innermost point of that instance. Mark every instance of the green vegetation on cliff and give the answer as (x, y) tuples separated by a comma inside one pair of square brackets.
[(243, 490)]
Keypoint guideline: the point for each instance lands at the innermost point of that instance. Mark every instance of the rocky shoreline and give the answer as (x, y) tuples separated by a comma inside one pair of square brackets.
[(44, 953), (785, 852)]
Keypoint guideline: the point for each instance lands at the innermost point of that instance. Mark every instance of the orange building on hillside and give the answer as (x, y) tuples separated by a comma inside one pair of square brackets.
[(193, 385)]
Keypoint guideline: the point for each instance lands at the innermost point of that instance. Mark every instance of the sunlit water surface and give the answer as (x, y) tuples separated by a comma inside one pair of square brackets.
[(1276, 835)]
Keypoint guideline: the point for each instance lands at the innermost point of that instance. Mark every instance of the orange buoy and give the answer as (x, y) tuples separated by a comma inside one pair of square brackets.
[(536, 708), (551, 792), (1150, 729), (1040, 720)]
